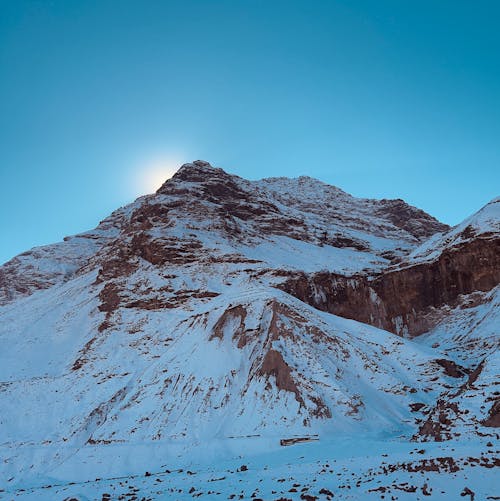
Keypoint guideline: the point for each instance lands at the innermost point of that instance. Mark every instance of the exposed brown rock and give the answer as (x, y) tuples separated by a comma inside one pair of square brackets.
[(417, 406), (155, 303), (221, 189), (437, 425), (150, 214), (341, 242), (411, 219), (165, 251), (493, 419), (404, 300), (426, 491), (473, 376), (106, 324), (82, 355), (468, 492), (451, 368), (308, 497), (117, 265), (439, 464), (444, 415), (237, 313), (321, 410), (326, 492), (110, 298), (274, 365), (205, 294)]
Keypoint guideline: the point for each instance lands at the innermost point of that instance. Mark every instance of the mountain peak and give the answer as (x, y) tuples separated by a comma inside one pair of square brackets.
[(196, 171)]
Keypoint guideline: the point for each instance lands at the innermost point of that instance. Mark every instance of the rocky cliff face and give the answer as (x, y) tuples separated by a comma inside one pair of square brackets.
[(213, 309), (408, 299)]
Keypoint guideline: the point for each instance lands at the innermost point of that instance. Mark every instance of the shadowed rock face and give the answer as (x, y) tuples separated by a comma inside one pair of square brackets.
[(274, 365), (411, 219), (494, 416), (406, 300)]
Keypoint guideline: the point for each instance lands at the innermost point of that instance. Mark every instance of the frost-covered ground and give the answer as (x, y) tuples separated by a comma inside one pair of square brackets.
[(350, 468)]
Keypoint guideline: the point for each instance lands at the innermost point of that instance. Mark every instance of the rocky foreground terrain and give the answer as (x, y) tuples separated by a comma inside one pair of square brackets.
[(274, 339)]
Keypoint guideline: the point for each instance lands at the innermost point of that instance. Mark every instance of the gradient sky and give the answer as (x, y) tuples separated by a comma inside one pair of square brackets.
[(385, 99)]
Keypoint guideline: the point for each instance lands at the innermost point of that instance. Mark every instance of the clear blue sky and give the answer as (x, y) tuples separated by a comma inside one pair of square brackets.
[(382, 98)]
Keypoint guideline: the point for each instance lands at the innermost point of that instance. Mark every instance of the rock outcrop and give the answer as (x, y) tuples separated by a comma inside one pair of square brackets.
[(406, 300)]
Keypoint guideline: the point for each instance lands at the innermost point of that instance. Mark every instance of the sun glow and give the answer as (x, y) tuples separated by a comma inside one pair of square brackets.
[(154, 173), (156, 176)]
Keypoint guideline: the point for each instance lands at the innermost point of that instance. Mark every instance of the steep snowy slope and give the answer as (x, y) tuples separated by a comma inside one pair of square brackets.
[(207, 317), (249, 362), (483, 225), (42, 267)]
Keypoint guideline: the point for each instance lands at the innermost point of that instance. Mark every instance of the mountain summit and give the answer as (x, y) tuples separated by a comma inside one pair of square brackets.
[(221, 313)]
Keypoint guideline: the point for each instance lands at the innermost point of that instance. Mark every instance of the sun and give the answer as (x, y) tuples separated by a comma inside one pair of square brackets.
[(155, 176), (154, 173), (149, 171)]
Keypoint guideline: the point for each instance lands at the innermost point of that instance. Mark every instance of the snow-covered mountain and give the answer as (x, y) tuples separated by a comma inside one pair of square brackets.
[(217, 317)]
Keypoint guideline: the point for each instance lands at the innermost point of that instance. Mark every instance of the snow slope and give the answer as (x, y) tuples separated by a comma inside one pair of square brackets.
[(161, 340), (483, 224)]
